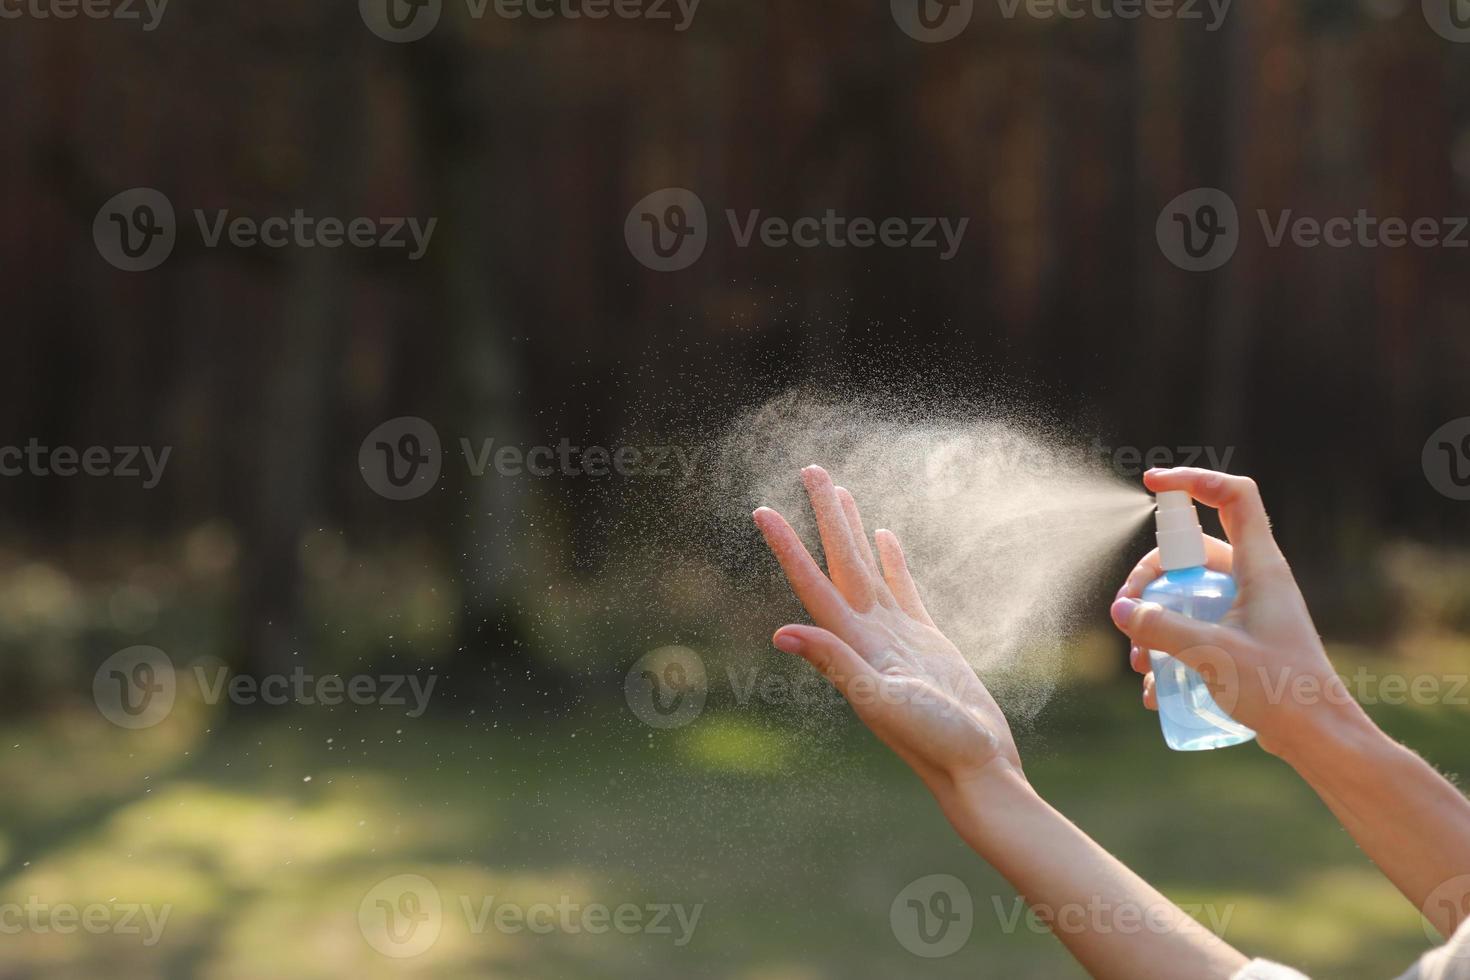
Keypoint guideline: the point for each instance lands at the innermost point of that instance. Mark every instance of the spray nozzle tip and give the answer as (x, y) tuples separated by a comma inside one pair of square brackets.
[(1168, 500), (1181, 542)]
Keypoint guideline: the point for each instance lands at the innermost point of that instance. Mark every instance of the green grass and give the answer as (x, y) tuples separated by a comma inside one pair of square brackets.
[(795, 833)]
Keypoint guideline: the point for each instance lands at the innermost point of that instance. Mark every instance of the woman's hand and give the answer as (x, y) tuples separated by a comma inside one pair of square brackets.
[(1264, 662), (1404, 815), (877, 645)]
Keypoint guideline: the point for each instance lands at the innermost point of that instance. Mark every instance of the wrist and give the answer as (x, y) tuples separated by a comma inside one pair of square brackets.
[(973, 799), (1323, 734)]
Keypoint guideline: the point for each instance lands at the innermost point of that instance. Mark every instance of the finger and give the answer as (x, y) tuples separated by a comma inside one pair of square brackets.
[(856, 529), (816, 592), (1218, 555), (834, 660), (844, 564), (1242, 514), (1150, 693), (1152, 627), (896, 574), (1138, 660)]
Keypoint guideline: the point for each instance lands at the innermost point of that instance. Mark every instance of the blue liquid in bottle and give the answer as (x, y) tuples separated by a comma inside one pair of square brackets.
[(1191, 719)]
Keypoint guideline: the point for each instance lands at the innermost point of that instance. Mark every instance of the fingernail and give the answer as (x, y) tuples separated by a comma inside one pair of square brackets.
[(788, 643), (1122, 610)]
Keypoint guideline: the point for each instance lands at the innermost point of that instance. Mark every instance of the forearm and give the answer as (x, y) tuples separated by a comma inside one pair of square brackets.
[(1109, 918), (1409, 820)]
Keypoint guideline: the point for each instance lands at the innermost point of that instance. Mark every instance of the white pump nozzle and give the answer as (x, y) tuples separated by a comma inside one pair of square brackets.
[(1181, 541)]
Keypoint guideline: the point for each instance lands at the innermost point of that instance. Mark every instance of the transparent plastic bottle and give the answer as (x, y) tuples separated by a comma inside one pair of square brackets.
[(1191, 719)]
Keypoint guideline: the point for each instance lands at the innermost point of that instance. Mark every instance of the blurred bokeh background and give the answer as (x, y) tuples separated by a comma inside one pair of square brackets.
[(266, 549)]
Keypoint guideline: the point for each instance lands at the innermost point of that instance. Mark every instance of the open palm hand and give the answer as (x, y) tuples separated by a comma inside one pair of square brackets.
[(876, 643)]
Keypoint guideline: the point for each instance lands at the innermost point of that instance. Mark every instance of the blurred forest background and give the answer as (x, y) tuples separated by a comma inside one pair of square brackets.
[(1322, 370)]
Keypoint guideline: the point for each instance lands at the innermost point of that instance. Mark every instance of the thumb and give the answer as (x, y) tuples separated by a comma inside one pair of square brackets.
[(1152, 627), (1210, 649), (833, 658)]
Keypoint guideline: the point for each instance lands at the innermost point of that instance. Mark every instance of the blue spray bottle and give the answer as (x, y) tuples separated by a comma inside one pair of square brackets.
[(1189, 715)]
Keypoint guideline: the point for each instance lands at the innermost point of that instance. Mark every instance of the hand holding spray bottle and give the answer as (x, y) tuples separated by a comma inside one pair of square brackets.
[(1191, 719)]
